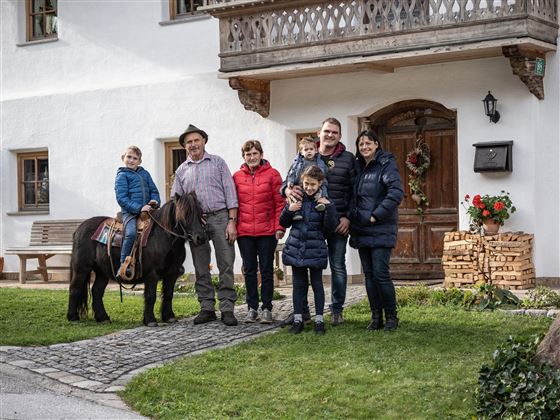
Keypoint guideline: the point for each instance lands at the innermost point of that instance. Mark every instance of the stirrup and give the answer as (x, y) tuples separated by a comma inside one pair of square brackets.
[(126, 270)]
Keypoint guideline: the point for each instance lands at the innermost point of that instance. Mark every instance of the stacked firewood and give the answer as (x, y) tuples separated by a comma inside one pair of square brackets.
[(504, 259)]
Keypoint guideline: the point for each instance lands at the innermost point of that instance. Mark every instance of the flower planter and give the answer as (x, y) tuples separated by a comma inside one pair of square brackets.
[(491, 227)]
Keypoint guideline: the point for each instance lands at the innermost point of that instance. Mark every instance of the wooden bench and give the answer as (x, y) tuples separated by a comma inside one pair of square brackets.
[(48, 238)]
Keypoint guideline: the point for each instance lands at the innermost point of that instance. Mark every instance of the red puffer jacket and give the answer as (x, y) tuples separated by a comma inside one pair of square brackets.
[(260, 202)]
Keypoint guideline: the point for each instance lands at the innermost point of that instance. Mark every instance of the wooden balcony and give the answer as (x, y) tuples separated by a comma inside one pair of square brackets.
[(267, 39)]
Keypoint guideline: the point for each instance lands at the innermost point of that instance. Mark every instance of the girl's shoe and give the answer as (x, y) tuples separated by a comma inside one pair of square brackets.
[(252, 316), (297, 327), (319, 328), (266, 317)]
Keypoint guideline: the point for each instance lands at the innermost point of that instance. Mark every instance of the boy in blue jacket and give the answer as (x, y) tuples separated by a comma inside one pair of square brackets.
[(305, 249), (136, 192)]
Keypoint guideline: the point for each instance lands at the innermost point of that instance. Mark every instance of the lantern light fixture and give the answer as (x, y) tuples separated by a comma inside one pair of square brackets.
[(490, 108)]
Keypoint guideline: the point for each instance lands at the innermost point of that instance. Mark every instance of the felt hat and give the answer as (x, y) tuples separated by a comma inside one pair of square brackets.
[(192, 129)]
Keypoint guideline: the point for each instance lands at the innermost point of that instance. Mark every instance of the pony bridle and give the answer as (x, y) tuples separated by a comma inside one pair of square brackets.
[(186, 234)]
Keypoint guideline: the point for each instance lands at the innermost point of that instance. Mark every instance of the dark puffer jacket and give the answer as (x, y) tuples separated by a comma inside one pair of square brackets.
[(342, 175), (378, 192), (305, 246), (134, 189)]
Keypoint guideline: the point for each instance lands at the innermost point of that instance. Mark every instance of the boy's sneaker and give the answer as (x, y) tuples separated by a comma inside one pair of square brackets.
[(297, 216), (319, 328), (252, 316), (266, 317), (297, 327), (320, 207)]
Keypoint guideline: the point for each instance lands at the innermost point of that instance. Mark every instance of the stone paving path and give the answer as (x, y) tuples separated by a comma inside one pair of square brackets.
[(105, 364)]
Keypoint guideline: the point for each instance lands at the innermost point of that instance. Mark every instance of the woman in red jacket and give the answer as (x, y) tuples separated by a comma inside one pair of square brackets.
[(258, 227)]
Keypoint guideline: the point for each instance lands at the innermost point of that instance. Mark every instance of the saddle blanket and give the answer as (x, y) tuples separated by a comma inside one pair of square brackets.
[(101, 234)]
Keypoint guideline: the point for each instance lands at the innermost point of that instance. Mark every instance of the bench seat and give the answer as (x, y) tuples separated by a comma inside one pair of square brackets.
[(48, 238)]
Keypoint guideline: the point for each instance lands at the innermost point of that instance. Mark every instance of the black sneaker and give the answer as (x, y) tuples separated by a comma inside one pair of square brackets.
[(204, 316), (229, 319), (297, 327), (297, 216), (319, 328), (337, 319), (320, 207)]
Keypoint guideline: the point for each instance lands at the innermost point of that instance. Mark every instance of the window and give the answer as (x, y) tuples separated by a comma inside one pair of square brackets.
[(41, 19), (33, 181), (183, 8), (175, 154)]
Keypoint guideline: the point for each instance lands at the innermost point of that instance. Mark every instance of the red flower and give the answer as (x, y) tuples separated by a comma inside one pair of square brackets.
[(485, 213), (476, 200), (481, 205), (412, 158), (467, 197), (498, 205)]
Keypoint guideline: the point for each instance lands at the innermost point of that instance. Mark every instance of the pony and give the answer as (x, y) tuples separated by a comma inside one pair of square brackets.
[(175, 222)]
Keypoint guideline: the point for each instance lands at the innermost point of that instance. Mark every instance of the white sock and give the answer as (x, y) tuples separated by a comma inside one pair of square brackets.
[(318, 318), (298, 317)]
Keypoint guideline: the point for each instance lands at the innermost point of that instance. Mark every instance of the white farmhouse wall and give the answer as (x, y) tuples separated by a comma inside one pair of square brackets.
[(117, 77)]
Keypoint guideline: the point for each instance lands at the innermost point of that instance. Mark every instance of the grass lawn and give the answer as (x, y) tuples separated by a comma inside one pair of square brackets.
[(427, 369), (38, 317)]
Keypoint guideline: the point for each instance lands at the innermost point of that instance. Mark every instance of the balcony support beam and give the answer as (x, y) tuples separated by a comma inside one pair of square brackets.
[(253, 94), (522, 63)]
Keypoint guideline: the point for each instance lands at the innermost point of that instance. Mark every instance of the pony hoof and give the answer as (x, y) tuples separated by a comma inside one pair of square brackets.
[(152, 324)]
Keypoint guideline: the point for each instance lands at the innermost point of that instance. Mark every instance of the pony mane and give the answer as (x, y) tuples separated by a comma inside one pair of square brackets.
[(187, 208)]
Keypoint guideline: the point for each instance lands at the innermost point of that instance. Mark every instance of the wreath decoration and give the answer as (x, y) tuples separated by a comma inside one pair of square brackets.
[(417, 163)]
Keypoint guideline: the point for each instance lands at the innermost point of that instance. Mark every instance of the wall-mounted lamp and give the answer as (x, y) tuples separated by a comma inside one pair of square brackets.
[(490, 107)]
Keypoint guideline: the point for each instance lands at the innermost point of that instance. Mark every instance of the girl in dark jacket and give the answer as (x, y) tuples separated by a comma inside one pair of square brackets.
[(378, 192), (305, 249), (136, 192)]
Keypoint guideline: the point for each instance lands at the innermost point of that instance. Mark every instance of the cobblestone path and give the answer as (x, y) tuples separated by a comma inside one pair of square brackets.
[(107, 363)]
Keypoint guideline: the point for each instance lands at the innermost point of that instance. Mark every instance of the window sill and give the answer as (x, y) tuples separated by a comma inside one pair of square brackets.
[(37, 41), (28, 213), (185, 19)]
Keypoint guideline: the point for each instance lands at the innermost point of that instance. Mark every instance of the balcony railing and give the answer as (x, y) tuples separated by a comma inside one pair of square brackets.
[(257, 34)]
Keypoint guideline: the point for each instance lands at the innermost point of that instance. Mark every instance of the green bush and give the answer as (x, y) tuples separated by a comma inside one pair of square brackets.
[(541, 297), (189, 290), (514, 387), (413, 295)]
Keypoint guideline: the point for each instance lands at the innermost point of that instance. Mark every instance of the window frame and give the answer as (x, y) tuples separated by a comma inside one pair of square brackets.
[(21, 158), (29, 15), (174, 15), (170, 147)]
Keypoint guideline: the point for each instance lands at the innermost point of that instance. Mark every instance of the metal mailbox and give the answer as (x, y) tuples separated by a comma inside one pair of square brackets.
[(493, 156)]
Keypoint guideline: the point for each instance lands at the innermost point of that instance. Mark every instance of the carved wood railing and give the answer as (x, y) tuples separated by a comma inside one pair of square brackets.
[(249, 26)]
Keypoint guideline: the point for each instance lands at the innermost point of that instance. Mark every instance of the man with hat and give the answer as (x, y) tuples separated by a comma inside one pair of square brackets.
[(209, 176)]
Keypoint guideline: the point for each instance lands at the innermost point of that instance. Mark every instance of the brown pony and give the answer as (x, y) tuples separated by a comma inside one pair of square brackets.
[(162, 258)]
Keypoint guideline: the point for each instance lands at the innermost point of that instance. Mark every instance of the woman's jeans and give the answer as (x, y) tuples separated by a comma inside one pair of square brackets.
[(379, 286), (300, 285), (129, 234), (257, 253)]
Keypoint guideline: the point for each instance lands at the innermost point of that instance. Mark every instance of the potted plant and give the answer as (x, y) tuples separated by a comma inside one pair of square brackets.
[(488, 211)]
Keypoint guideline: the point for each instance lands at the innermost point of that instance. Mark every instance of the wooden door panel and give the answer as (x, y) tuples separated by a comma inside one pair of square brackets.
[(407, 249), (433, 233)]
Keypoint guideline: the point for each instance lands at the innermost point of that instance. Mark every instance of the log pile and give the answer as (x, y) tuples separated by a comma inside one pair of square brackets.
[(504, 259)]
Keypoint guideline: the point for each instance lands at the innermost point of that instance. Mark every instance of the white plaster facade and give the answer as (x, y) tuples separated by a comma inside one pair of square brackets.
[(116, 76)]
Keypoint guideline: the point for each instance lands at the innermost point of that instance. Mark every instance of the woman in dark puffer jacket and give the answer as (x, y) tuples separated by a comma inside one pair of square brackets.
[(378, 192)]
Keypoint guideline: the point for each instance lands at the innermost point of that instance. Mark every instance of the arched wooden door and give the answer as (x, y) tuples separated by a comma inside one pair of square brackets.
[(420, 241)]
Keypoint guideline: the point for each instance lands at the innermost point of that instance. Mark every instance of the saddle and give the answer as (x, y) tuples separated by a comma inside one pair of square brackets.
[(110, 232)]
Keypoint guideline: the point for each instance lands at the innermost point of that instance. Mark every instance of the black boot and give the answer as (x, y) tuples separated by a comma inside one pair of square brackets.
[(391, 320), (376, 320)]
